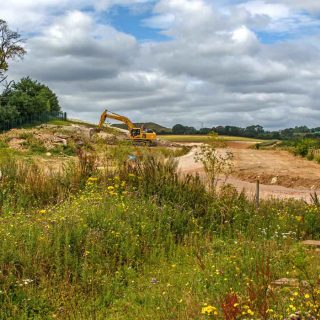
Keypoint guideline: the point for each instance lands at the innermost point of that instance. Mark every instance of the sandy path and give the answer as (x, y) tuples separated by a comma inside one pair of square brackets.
[(295, 178)]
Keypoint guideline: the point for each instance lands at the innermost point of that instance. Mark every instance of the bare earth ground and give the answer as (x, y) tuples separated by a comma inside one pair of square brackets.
[(282, 175)]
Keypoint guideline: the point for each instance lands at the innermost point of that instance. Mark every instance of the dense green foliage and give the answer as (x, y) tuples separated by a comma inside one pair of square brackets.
[(28, 97), (305, 147)]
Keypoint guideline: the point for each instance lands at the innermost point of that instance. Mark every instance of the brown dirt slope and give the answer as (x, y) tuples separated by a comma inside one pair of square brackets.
[(282, 175)]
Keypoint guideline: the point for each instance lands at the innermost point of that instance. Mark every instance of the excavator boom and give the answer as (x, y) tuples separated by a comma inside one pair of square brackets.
[(107, 114), (136, 134)]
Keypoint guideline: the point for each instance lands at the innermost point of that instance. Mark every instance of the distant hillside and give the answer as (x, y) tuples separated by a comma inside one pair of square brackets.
[(147, 125)]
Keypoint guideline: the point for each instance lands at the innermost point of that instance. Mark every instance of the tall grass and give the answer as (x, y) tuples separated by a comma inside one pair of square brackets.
[(226, 211), (25, 184), (148, 244), (107, 253)]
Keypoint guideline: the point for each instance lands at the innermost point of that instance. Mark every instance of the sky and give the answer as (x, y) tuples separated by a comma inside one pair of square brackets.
[(194, 62)]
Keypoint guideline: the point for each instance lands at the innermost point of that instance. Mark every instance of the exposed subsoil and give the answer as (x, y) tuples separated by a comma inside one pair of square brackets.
[(281, 174)]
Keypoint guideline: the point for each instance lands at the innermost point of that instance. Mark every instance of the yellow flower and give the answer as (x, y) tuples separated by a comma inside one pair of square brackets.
[(299, 218), (209, 310), (92, 179), (293, 308), (307, 296), (249, 311), (42, 211), (111, 188)]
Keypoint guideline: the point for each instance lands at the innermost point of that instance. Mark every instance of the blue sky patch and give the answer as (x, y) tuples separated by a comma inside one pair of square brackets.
[(128, 21)]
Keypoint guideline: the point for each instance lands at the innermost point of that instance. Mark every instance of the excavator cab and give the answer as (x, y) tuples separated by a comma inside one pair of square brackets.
[(135, 132)]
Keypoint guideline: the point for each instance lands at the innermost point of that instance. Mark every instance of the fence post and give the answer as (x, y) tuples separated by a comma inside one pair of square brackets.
[(258, 193)]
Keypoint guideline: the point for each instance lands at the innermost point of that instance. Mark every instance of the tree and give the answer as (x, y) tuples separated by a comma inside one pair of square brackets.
[(205, 131), (10, 47), (29, 97), (178, 129)]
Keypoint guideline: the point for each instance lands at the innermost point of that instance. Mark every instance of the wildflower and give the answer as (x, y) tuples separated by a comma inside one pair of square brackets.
[(92, 179), (249, 311), (307, 296), (111, 188), (209, 310), (299, 218), (43, 211), (25, 282), (293, 308)]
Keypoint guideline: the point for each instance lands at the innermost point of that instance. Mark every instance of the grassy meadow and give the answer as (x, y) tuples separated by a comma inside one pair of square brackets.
[(136, 241)]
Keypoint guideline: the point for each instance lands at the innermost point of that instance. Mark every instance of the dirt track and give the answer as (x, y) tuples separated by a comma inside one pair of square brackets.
[(282, 175)]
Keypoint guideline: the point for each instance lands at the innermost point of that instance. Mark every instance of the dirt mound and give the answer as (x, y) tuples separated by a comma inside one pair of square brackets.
[(57, 138)]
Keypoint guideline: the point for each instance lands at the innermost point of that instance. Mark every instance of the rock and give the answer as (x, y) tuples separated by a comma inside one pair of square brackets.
[(106, 136), (312, 243), (288, 282), (60, 135), (60, 141), (48, 126), (16, 143), (274, 180)]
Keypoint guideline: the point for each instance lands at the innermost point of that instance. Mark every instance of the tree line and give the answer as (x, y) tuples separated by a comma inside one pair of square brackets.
[(26, 97), (253, 131)]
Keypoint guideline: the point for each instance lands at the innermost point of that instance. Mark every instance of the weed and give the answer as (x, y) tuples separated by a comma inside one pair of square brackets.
[(215, 163)]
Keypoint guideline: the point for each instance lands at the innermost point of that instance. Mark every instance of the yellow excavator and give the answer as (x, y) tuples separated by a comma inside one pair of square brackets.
[(136, 135)]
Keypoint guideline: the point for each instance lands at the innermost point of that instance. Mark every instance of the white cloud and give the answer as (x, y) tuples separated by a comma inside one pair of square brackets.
[(213, 68), (243, 35), (107, 4), (273, 10), (284, 16)]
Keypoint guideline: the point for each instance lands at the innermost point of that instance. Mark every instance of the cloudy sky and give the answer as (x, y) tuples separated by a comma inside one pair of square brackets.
[(229, 62)]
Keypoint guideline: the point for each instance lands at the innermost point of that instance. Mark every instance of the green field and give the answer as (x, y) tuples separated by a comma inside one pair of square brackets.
[(202, 138)]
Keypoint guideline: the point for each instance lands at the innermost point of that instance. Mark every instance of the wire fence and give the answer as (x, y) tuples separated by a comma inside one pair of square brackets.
[(38, 118)]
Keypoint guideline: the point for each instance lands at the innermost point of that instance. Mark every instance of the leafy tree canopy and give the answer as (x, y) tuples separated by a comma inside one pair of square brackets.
[(30, 97), (10, 47)]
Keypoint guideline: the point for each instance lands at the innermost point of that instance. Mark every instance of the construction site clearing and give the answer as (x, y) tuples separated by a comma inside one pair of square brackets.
[(281, 174)]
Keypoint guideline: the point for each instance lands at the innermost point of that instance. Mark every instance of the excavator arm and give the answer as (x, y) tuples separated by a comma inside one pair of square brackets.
[(138, 135), (111, 115)]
